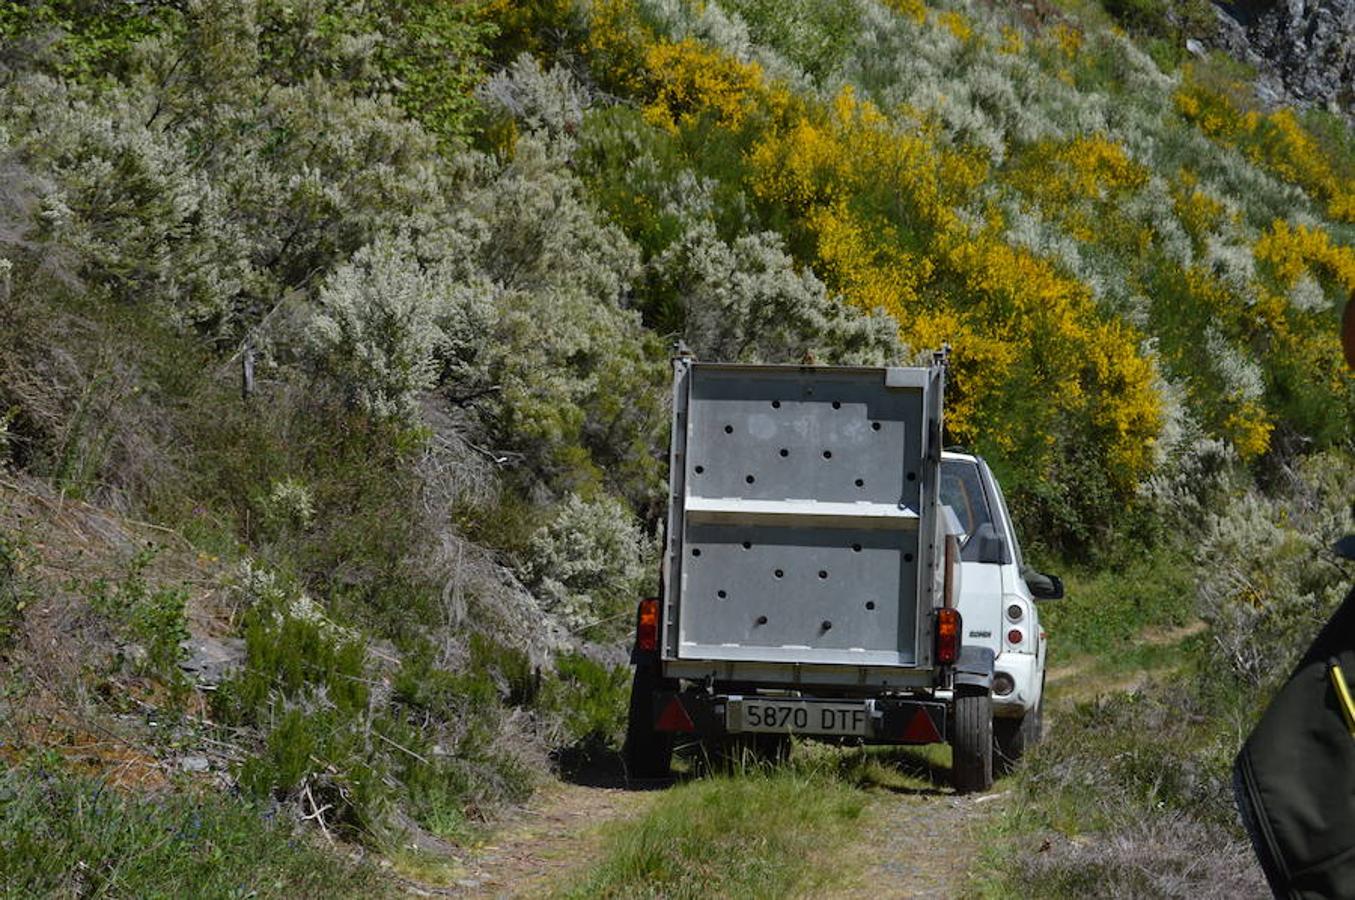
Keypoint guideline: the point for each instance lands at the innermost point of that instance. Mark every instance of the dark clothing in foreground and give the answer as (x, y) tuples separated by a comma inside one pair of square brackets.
[(1294, 778)]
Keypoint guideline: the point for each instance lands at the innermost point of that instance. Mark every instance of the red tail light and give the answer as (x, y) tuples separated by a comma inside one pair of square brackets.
[(947, 635), (647, 627)]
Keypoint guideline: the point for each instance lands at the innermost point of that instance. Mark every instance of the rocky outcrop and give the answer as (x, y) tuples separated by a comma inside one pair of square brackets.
[(1303, 50)]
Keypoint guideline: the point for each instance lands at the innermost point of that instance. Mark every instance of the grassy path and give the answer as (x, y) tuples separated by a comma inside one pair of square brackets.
[(853, 824)]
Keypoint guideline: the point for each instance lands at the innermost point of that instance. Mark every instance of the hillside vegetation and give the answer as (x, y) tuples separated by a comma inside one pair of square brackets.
[(333, 348)]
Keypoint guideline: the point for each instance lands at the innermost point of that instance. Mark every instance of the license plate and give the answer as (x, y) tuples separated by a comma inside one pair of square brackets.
[(794, 717)]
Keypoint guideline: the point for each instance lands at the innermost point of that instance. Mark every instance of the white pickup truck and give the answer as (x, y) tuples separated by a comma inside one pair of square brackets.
[(829, 572), (997, 605)]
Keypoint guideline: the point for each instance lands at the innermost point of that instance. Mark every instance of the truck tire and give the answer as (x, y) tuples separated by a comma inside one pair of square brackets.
[(1013, 737), (971, 744), (647, 753)]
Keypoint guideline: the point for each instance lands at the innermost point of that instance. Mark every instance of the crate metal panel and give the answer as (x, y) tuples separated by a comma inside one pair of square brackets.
[(799, 590), (794, 529), (829, 435)]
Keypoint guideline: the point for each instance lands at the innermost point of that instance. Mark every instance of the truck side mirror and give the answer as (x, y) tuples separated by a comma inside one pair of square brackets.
[(1047, 587), (990, 548)]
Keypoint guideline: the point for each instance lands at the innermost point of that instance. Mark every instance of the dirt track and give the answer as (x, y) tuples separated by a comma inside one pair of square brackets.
[(557, 835), (924, 845)]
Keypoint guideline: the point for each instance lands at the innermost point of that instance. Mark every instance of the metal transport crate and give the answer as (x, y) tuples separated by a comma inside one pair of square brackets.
[(803, 525)]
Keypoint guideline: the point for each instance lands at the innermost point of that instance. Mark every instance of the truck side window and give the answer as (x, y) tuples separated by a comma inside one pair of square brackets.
[(962, 491), (1011, 526)]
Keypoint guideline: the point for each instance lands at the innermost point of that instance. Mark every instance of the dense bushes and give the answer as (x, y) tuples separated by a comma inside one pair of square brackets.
[(378, 328), (1130, 795), (590, 563), (1035, 199), (437, 335)]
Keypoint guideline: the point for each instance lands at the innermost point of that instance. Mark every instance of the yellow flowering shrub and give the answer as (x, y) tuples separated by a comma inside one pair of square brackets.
[(956, 24), (1307, 340), (1276, 141), (1248, 428), (913, 9), (1282, 144), (1079, 184), (1068, 39), (1212, 112), (688, 79), (894, 214), (1087, 364), (871, 269), (1198, 212), (852, 149), (880, 204), (1097, 165), (1199, 319), (1291, 252), (1091, 168), (520, 26), (616, 44)]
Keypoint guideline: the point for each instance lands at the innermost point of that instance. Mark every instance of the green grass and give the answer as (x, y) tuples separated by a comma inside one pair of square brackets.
[(1128, 777), (67, 836), (757, 834), (906, 770), (1104, 611)]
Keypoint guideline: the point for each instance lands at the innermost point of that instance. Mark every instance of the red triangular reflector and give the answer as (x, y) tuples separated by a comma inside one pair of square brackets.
[(921, 730), (674, 718)]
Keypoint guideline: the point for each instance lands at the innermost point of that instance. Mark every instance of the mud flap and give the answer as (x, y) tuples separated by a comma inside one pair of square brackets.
[(974, 668)]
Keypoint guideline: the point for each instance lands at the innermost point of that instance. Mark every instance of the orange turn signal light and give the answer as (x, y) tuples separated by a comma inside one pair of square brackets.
[(647, 626), (947, 635)]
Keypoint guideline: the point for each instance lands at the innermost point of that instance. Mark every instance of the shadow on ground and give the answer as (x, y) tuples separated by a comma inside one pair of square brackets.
[(602, 768), (913, 771), (899, 770)]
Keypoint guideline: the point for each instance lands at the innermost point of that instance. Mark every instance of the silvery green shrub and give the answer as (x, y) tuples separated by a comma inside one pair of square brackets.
[(1195, 480), (124, 200), (376, 329), (1267, 576), (591, 562), (543, 234), (290, 502), (747, 301), (559, 373), (551, 101)]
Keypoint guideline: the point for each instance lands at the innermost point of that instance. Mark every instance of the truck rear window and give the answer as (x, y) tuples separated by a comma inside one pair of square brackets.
[(962, 491)]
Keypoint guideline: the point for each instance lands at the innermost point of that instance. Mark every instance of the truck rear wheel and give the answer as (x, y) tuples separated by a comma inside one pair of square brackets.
[(971, 744), (1013, 737), (647, 753)]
